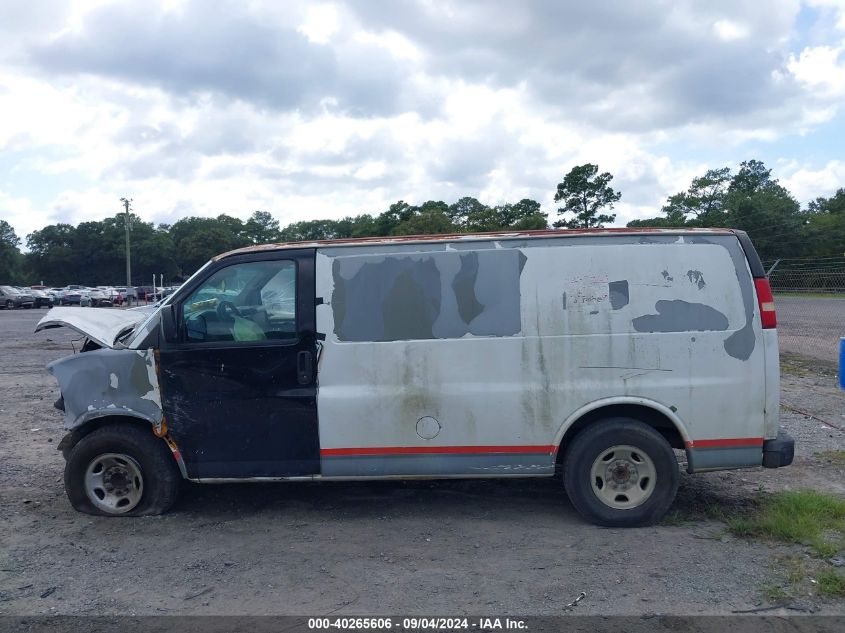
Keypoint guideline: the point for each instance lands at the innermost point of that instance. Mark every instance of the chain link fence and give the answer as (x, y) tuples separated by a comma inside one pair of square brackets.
[(810, 303)]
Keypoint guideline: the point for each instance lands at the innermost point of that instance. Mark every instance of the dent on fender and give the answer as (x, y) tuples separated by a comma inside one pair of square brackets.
[(109, 382)]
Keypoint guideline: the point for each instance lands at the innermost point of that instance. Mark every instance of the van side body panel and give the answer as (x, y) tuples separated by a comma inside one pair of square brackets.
[(471, 359)]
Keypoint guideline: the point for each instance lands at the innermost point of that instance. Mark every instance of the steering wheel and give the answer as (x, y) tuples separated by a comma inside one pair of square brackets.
[(227, 311)]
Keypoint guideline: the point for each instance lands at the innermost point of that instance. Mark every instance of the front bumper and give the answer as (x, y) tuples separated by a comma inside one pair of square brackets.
[(778, 452)]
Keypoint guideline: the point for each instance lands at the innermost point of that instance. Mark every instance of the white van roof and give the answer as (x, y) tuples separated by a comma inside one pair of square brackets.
[(465, 237)]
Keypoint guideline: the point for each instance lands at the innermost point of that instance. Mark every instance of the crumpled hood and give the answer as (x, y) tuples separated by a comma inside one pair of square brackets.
[(101, 325)]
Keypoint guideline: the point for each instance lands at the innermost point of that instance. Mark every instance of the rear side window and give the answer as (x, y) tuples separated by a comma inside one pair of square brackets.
[(242, 303)]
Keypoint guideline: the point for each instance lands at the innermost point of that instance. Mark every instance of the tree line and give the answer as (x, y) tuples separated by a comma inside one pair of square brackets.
[(751, 199)]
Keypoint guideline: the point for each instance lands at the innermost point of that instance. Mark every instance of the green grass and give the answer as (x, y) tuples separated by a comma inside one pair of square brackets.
[(810, 295), (837, 457), (804, 517), (807, 518), (795, 369), (775, 593), (798, 365), (831, 583)]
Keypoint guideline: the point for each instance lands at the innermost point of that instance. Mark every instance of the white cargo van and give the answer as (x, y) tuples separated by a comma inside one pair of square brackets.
[(592, 354)]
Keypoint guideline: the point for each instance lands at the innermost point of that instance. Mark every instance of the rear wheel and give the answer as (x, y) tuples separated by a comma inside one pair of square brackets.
[(10, 305), (621, 473), (121, 469)]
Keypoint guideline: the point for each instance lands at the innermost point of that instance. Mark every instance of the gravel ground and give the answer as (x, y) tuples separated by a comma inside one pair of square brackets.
[(811, 326), (452, 547)]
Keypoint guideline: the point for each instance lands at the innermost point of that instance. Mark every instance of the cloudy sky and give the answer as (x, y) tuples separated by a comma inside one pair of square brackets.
[(320, 110)]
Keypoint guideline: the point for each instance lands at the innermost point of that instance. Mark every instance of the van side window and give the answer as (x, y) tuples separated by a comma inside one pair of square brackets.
[(253, 301)]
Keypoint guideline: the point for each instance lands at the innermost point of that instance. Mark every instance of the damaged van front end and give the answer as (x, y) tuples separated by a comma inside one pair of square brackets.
[(106, 378), (109, 381)]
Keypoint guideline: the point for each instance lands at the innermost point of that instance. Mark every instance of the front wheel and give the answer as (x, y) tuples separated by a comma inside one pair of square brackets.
[(121, 469), (10, 305), (621, 473)]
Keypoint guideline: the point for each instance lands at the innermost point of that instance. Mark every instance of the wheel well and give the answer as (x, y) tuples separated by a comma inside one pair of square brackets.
[(654, 418), (72, 438)]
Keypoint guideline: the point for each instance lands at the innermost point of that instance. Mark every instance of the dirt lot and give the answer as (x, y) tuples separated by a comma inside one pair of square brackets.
[(811, 325), (365, 548)]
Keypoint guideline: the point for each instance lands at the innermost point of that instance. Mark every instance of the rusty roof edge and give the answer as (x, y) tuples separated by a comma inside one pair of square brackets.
[(451, 237)]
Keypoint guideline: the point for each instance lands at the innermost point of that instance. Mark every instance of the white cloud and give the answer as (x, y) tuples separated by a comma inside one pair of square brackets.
[(808, 184), (321, 23), (395, 43), (370, 170), (323, 110), (18, 212), (728, 30), (821, 69)]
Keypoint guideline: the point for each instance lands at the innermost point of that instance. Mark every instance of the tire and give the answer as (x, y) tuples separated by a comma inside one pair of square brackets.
[(10, 305), (620, 472), (122, 452)]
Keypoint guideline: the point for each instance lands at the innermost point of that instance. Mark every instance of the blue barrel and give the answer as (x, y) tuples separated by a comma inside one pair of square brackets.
[(842, 362)]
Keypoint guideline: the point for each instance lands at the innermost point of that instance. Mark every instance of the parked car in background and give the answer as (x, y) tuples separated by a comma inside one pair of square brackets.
[(42, 298), (97, 298), (71, 295), (11, 297), (163, 292), (144, 293), (110, 295), (121, 295)]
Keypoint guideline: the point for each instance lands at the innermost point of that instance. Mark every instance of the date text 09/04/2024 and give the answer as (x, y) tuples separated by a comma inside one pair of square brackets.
[(417, 623)]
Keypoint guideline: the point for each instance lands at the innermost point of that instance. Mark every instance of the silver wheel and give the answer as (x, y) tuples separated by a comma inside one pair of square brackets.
[(114, 483), (623, 477)]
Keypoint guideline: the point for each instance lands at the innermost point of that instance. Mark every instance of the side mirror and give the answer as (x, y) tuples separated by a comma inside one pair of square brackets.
[(169, 329)]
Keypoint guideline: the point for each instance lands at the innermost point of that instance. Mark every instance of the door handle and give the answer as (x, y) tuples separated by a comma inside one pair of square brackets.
[(304, 367)]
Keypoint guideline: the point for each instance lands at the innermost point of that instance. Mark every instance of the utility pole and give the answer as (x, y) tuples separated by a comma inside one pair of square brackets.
[(126, 203)]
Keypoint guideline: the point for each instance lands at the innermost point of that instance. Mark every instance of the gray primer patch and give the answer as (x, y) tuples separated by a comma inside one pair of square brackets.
[(702, 459), (681, 316), (425, 296), (697, 278), (413, 302), (464, 287), (564, 301), (667, 276), (618, 291)]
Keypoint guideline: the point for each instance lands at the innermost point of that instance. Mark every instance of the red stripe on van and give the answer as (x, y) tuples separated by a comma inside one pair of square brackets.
[(734, 441), (417, 450)]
